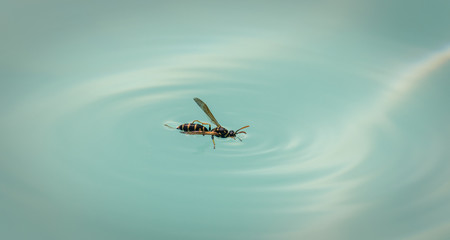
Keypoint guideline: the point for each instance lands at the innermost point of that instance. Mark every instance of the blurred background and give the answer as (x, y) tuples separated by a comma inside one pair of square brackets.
[(347, 102)]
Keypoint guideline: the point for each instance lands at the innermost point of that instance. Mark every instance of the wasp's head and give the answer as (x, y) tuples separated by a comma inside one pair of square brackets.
[(233, 134)]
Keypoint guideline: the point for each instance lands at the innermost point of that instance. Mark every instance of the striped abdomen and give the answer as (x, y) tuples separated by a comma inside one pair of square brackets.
[(191, 127)]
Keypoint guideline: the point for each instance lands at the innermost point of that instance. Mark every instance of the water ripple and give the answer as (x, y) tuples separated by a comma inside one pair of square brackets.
[(110, 130)]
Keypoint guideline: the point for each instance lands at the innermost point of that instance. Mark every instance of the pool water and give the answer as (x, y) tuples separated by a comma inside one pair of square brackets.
[(347, 103)]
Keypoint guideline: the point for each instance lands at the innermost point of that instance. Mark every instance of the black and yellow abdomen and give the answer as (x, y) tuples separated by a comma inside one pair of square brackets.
[(192, 127)]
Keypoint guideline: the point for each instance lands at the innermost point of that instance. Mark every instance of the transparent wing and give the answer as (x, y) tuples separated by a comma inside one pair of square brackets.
[(205, 109)]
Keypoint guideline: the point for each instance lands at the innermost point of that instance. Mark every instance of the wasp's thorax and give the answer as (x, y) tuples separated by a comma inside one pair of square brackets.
[(222, 132)]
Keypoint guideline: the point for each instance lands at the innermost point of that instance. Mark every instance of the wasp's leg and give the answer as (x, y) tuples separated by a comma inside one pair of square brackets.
[(194, 133), (203, 123), (169, 126), (212, 137)]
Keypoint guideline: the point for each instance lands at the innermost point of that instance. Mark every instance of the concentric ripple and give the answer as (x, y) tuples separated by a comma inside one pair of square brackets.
[(102, 140)]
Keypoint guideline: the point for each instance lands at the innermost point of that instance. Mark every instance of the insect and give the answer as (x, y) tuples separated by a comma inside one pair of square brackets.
[(198, 128)]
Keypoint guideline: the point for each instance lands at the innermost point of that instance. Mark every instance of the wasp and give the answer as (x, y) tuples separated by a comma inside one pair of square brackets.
[(199, 128)]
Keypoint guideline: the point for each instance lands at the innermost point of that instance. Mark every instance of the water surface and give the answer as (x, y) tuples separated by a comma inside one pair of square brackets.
[(347, 103)]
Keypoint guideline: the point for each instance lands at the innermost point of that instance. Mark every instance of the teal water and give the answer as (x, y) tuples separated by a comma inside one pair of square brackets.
[(347, 103)]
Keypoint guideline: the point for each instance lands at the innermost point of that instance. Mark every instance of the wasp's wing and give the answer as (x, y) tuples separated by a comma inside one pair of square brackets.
[(205, 109)]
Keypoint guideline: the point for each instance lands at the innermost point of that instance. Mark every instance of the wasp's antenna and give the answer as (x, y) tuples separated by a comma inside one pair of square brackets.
[(237, 131)]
